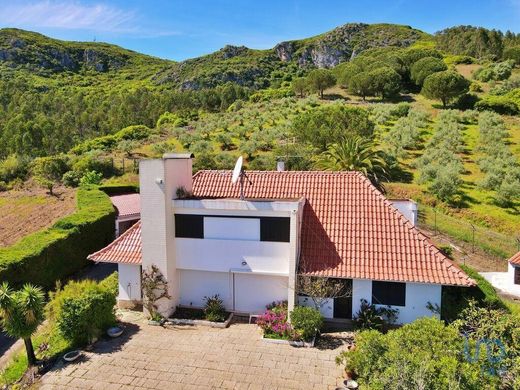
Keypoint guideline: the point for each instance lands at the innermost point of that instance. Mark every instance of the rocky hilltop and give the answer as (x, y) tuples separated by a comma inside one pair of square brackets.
[(41, 53), (255, 68), (37, 53), (344, 42)]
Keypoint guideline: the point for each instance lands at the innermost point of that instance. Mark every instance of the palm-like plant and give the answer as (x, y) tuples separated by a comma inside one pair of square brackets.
[(355, 153), (20, 314)]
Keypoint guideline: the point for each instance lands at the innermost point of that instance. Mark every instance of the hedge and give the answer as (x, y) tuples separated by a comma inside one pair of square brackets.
[(119, 189), (52, 254)]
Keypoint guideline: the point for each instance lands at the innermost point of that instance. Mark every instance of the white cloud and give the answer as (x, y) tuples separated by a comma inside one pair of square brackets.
[(68, 15)]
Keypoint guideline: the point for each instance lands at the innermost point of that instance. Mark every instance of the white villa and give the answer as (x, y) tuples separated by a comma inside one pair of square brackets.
[(250, 252)]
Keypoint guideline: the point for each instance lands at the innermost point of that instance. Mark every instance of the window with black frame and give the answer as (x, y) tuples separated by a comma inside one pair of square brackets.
[(389, 293)]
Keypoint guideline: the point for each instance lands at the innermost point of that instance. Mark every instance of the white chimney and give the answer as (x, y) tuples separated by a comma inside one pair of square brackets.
[(408, 208), (280, 166), (159, 180)]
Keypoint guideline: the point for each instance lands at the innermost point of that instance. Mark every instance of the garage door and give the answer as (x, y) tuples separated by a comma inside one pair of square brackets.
[(195, 285), (253, 292)]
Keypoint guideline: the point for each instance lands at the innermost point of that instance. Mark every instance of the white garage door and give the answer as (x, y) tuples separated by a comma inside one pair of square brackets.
[(195, 285), (254, 292)]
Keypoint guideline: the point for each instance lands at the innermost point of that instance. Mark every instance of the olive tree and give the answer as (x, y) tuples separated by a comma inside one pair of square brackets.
[(445, 86)]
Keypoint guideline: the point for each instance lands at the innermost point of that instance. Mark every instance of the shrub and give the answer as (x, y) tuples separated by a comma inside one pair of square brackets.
[(108, 142), (214, 308), (425, 354), (498, 104), (65, 245), (93, 161), (91, 177), (274, 324), (306, 321), (71, 178), (370, 316), (14, 166), (498, 71), (83, 310), (111, 283), (169, 118)]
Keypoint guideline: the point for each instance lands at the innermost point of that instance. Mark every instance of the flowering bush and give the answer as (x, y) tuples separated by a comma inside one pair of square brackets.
[(274, 322)]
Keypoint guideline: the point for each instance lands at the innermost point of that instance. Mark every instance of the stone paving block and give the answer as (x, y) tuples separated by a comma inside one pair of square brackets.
[(195, 358)]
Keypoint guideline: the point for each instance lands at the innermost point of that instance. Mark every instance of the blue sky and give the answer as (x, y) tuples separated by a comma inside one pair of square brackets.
[(183, 29)]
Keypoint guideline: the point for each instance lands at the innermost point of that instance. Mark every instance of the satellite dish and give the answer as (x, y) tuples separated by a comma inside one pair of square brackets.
[(237, 170), (239, 173)]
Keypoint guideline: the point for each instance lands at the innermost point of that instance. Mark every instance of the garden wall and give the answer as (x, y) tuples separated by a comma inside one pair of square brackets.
[(52, 254)]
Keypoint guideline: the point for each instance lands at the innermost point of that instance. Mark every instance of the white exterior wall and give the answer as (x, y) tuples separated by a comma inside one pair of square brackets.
[(129, 276), (158, 181), (232, 228), (263, 271), (416, 299), (326, 310), (224, 255), (514, 288)]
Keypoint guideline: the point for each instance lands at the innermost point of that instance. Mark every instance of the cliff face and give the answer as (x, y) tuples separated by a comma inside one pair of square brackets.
[(343, 43)]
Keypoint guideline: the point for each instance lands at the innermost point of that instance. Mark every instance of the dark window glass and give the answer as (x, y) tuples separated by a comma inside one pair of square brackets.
[(389, 293), (189, 226), (275, 229), (517, 275)]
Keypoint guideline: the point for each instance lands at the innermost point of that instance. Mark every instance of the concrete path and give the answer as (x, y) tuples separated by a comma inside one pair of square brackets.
[(188, 357)]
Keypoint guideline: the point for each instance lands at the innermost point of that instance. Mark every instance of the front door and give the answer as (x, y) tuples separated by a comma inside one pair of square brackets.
[(343, 304), (343, 307)]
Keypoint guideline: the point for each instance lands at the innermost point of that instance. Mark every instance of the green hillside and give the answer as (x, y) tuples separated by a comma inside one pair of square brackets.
[(438, 115)]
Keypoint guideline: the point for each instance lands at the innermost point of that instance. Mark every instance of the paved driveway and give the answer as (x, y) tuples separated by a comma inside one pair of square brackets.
[(150, 357)]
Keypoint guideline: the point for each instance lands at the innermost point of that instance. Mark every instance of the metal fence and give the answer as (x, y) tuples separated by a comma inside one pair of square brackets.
[(470, 237)]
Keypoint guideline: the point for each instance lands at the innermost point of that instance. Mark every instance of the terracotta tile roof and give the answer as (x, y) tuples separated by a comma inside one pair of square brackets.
[(349, 228), (125, 249), (127, 205), (515, 259)]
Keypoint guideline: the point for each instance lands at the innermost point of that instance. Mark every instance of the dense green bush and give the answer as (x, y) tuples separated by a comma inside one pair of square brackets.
[(54, 253), (425, 354), (83, 310), (13, 167), (306, 321), (498, 104), (94, 161), (496, 71), (91, 177), (109, 142)]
